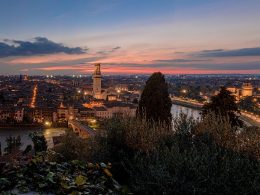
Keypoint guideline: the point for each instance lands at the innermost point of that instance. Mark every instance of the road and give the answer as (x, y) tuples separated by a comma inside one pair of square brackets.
[(34, 95)]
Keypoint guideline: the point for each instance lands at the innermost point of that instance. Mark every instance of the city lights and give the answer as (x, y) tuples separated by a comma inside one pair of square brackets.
[(130, 97), (47, 123), (32, 105)]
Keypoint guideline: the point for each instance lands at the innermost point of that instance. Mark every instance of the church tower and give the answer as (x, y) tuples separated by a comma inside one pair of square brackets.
[(97, 82)]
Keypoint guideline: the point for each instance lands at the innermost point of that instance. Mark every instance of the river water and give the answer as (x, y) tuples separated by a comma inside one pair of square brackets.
[(176, 110), (51, 132), (24, 134)]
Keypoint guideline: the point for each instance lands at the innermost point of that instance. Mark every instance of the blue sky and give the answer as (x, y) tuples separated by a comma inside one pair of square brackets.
[(149, 35)]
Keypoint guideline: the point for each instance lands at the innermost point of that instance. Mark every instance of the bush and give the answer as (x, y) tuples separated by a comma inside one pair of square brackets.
[(13, 144), (39, 142), (197, 157)]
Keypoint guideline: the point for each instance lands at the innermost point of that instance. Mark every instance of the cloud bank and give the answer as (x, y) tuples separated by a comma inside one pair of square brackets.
[(44, 56), (255, 51), (39, 46)]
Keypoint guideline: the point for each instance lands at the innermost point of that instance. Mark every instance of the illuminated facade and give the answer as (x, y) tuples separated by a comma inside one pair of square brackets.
[(97, 90), (247, 90)]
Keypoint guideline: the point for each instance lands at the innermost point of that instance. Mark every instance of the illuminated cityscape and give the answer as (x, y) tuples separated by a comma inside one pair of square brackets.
[(129, 97)]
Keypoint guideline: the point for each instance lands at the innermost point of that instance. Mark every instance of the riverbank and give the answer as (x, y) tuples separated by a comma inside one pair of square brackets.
[(249, 120), (198, 107), (187, 104), (24, 133), (20, 126)]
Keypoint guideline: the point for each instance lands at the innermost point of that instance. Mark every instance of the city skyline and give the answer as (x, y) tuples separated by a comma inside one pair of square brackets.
[(174, 37)]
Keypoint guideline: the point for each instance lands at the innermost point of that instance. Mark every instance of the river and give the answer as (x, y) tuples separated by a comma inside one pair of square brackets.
[(176, 110), (24, 134), (51, 132)]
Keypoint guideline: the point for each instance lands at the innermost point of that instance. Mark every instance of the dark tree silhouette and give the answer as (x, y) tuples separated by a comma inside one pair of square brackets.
[(224, 104), (13, 144), (39, 142), (248, 103), (2, 98), (155, 103)]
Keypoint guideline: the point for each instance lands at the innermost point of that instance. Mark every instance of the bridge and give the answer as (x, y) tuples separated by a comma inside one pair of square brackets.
[(81, 129)]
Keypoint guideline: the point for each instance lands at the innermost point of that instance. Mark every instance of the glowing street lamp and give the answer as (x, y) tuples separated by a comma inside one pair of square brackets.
[(47, 123), (93, 121)]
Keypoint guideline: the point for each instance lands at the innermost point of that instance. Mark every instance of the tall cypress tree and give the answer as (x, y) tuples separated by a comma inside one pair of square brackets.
[(224, 104), (155, 103)]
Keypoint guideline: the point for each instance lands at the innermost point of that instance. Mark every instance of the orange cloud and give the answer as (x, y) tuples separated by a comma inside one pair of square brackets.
[(55, 68), (49, 58)]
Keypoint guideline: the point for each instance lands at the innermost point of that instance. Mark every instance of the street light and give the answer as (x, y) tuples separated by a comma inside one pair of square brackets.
[(47, 123), (93, 121)]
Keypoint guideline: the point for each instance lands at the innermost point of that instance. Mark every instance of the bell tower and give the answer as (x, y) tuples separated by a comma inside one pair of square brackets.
[(97, 82)]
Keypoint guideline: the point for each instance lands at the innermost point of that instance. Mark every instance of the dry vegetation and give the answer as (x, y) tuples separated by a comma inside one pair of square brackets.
[(197, 157)]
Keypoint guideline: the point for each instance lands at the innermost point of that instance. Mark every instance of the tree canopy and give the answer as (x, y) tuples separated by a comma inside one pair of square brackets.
[(155, 103), (224, 104)]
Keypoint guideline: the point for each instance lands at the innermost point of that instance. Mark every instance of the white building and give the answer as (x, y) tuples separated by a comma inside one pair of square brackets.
[(110, 93), (115, 109)]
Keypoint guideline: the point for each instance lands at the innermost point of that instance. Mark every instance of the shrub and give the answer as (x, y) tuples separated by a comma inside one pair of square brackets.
[(197, 157), (39, 142), (72, 147), (13, 144)]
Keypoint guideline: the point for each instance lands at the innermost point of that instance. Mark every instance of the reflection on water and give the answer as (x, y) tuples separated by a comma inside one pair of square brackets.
[(176, 110), (24, 134)]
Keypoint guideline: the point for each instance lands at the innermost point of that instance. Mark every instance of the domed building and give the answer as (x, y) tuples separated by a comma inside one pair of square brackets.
[(247, 90)]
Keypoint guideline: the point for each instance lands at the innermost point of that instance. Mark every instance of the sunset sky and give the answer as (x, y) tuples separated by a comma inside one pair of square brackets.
[(129, 36)]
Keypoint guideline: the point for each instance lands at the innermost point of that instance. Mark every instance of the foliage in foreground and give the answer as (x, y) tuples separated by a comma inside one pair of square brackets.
[(198, 157), (13, 144), (72, 177), (39, 142)]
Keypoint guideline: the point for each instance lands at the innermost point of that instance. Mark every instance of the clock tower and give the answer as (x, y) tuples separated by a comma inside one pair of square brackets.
[(97, 82)]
